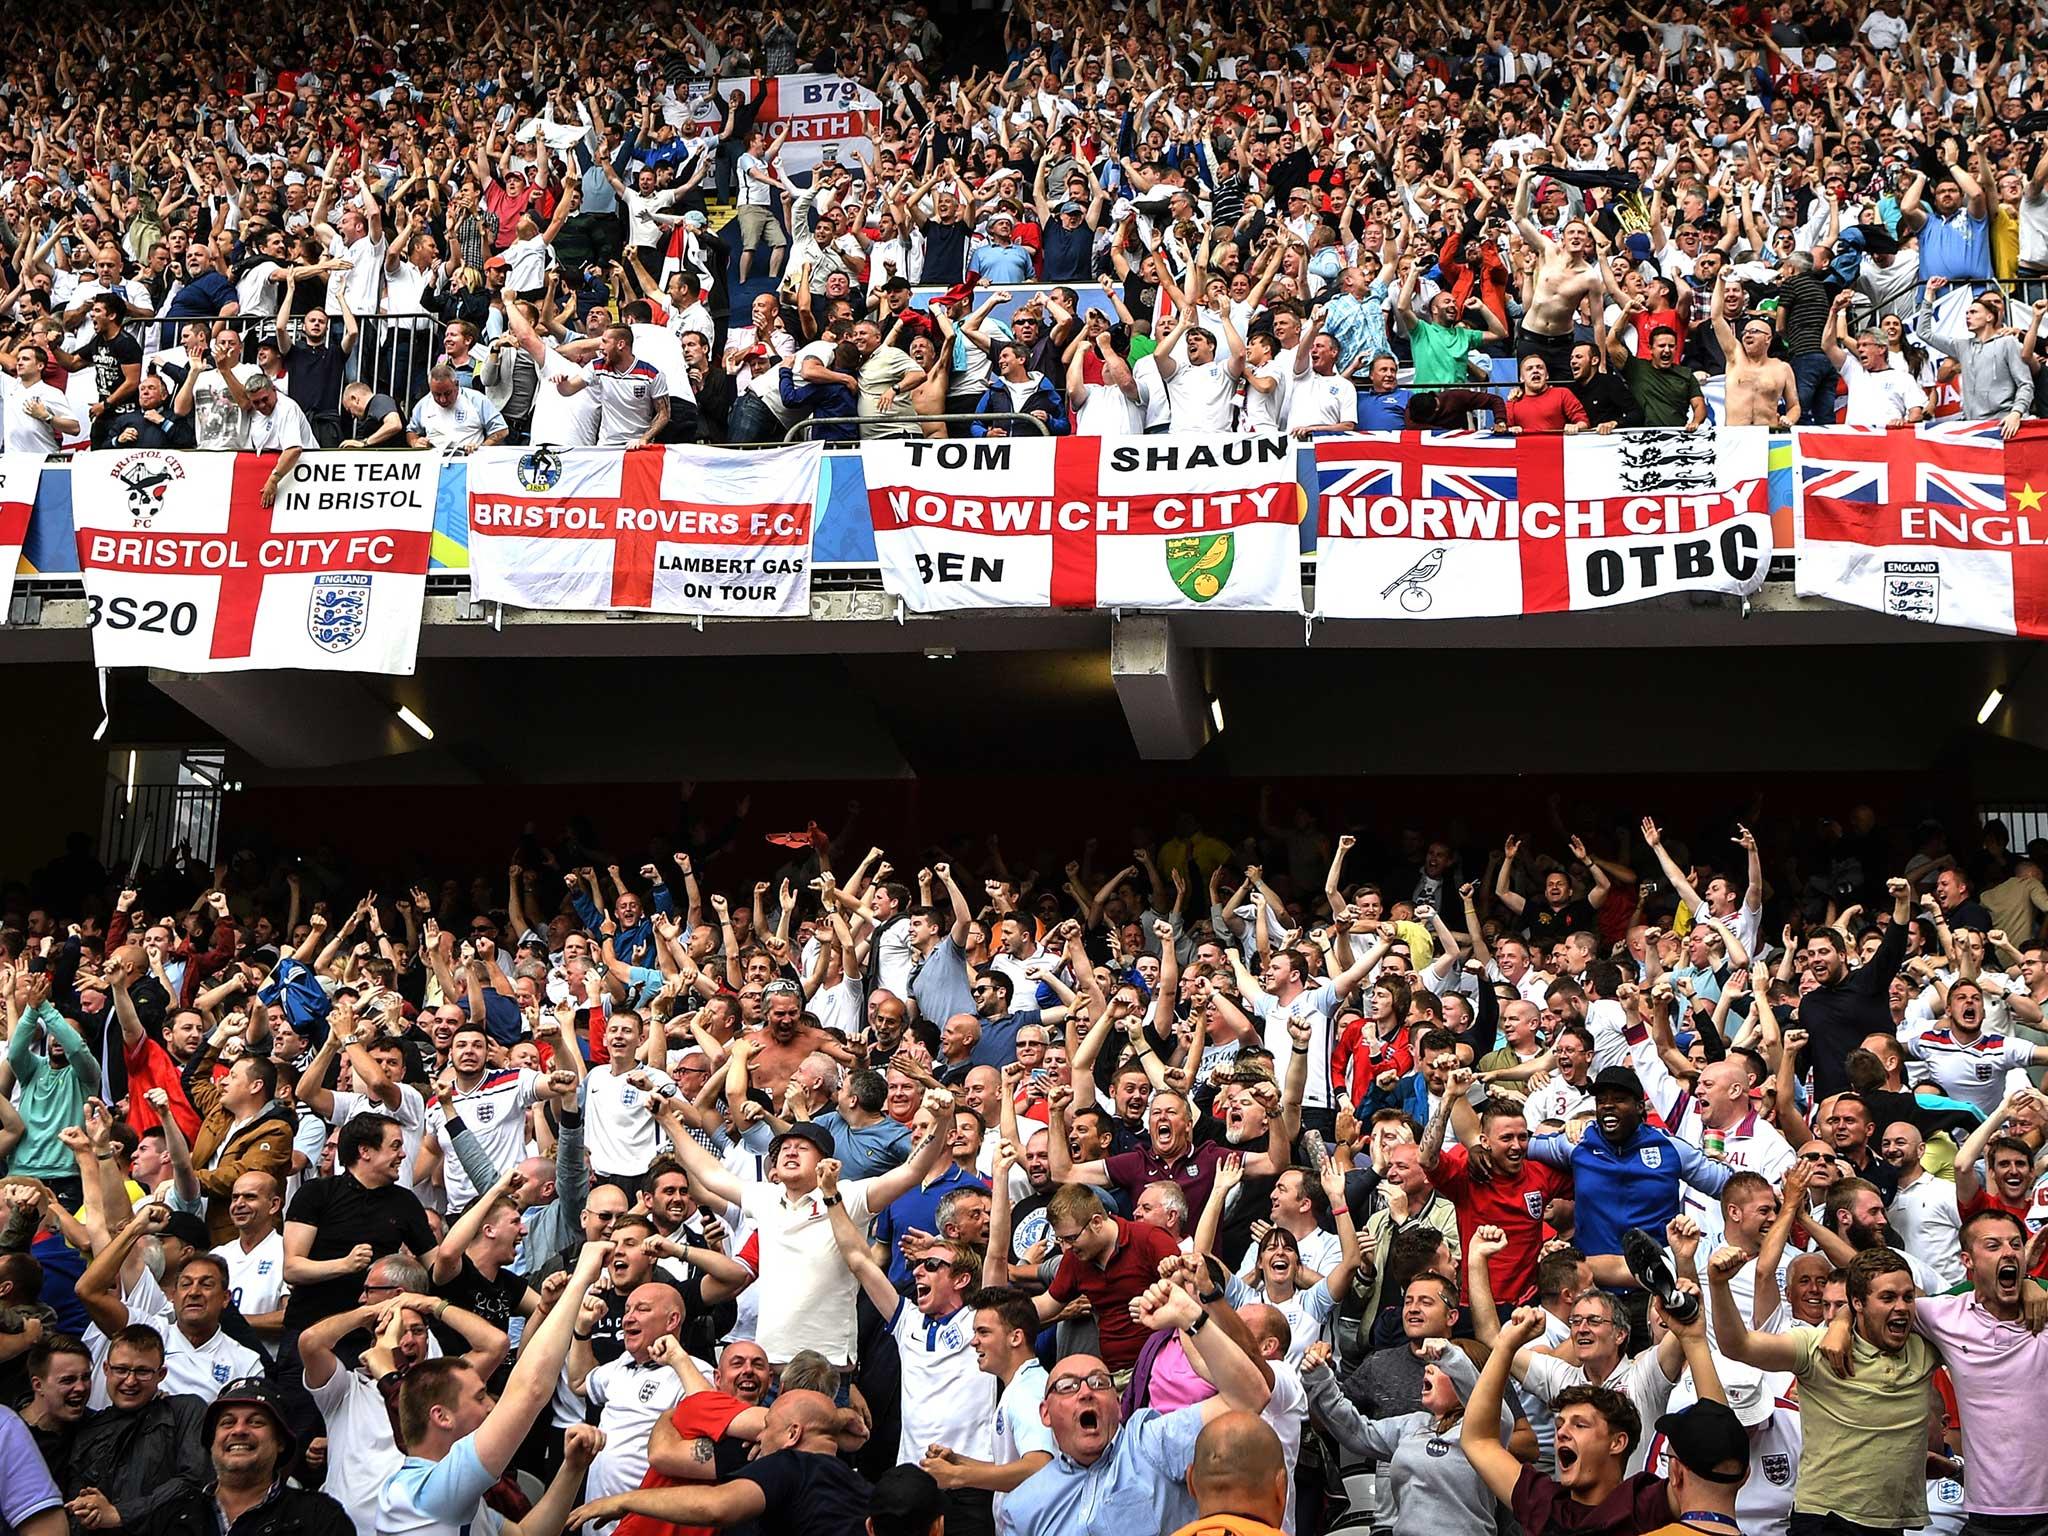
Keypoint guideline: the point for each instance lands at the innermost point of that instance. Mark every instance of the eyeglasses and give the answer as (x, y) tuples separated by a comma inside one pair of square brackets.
[(1067, 1239), (932, 1266), (135, 1372), (779, 989), (1816, 1157), (605, 1218), (1067, 1386)]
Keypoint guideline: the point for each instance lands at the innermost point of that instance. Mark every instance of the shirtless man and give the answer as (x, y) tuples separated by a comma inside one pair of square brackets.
[(1565, 274), (772, 1052), (1761, 389)]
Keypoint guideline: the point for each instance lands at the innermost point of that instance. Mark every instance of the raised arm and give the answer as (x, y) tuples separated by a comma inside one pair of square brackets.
[(1733, 1334), (1502, 890), (1654, 836), (853, 1248), (1479, 1434)]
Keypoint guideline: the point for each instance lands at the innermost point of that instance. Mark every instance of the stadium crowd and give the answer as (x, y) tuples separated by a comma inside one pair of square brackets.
[(1613, 1184), (494, 227)]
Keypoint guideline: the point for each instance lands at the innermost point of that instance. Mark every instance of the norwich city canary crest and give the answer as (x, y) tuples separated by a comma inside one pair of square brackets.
[(1200, 566)]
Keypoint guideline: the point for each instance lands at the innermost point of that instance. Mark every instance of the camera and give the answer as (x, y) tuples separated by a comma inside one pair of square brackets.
[(1649, 887)]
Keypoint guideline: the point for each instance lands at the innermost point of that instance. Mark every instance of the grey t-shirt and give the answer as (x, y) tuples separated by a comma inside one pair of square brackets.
[(939, 984)]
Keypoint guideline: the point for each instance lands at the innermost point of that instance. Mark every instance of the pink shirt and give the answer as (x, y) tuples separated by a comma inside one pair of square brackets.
[(1173, 1383), (2000, 1373)]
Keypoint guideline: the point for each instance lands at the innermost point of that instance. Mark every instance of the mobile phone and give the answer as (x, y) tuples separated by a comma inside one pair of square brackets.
[(1318, 1154)]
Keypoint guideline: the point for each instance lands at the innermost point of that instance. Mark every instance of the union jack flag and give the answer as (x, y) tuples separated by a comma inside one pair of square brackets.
[(1449, 466), (1942, 525), (1949, 464)]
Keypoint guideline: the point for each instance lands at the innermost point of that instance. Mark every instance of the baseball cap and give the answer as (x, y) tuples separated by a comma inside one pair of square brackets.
[(253, 1392), (188, 1229), (1704, 1435), (1620, 1079), (805, 1130), (1070, 206), (1001, 218), (1752, 1393), (496, 263)]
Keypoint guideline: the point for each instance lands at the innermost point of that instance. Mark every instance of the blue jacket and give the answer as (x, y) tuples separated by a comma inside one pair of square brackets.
[(998, 399), (634, 945), (1410, 1094), (1635, 1185)]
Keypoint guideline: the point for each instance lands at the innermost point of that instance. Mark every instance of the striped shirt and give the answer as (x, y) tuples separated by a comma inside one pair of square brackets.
[(496, 1110)]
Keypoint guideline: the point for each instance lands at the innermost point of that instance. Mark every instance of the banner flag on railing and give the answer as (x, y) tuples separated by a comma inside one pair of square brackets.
[(1087, 522), (1459, 525), (665, 530), (1948, 525), (20, 475), (193, 563)]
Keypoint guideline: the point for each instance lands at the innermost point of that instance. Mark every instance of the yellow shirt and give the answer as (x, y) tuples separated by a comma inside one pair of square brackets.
[(2005, 242), (1866, 1438), (136, 1195)]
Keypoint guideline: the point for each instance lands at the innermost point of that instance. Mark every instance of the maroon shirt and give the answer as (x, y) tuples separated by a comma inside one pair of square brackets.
[(1139, 1249), (1194, 1171), (1542, 1508)]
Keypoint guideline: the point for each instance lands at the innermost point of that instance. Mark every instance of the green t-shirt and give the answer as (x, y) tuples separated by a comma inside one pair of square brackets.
[(1440, 351), (1665, 394), (1866, 1438)]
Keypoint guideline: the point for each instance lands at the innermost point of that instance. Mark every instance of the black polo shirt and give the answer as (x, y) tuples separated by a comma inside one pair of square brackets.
[(343, 1213)]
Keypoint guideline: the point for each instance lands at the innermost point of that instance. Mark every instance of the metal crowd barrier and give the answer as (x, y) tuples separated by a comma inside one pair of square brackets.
[(800, 432), (392, 353)]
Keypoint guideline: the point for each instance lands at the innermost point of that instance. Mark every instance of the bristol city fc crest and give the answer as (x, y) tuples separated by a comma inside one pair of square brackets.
[(339, 613), (145, 476)]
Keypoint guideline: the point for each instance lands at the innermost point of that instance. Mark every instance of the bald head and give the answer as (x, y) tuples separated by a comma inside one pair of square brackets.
[(1902, 1145), (800, 1419), (1269, 1328), (1240, 1469)]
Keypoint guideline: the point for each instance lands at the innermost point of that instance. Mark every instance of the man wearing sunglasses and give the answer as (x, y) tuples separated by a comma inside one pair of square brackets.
[(947, 1399)]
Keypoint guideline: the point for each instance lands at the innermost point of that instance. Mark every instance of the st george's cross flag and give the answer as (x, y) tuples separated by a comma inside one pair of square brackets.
[(185, 568), (1455, 525), (1942, 525), (20, 475), (664, 530), (1087, 522)]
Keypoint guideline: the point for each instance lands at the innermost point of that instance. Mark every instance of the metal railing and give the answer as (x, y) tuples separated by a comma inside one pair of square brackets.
[(800, 431), (2023, 822), (392, 352), (147, 822)]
